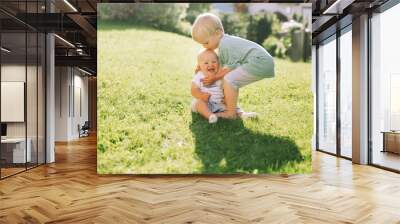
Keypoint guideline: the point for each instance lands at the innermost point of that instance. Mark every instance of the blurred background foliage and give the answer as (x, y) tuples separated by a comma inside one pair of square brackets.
[(283, 35)]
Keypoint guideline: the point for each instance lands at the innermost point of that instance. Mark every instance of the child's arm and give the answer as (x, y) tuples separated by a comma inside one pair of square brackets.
[(220, 74), (198, 94)]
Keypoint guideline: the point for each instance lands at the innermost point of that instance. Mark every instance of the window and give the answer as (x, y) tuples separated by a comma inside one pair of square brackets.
[(346, 92), (395, 102), (385, 86), (327, 95)]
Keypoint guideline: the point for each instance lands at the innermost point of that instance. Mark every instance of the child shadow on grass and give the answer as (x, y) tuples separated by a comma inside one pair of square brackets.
[(229, 147)]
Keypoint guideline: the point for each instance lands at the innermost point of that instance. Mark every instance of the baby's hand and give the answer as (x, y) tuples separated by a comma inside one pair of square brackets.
[(209, 79), (205, 96)]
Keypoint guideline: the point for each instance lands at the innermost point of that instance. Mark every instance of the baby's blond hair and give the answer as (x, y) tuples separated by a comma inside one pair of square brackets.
[(206, 24), (204, 51)]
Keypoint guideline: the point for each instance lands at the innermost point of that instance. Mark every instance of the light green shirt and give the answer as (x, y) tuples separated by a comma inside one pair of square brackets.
[(235, 51)]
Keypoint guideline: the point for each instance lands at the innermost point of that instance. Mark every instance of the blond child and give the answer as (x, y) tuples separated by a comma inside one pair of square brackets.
[(242, 61)]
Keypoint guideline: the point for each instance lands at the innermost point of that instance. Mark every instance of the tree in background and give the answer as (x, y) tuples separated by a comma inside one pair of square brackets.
[(196, 9), (234, 24), (261, 26), (163, 16), (307, 46), (241, 8), (282, 17), (167, 16), (298, 18), (117, 11)]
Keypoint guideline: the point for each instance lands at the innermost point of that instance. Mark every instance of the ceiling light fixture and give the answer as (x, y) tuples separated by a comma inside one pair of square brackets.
[(337, 7), (70, 5), (333, 6), (64, 40), (84, 71), (79, 51), (5, 50)]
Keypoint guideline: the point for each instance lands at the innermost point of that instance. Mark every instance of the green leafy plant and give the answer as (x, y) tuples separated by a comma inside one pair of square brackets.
[(196, 9), (167, 16), (235, 24), (261, 26)]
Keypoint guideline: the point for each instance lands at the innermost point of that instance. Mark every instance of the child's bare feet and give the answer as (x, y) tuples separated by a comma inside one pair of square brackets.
[(212, 119), (239, 114), (245, 115), (228, 114)]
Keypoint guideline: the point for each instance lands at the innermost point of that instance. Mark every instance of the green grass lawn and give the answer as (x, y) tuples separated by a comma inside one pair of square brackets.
[(144, 119)]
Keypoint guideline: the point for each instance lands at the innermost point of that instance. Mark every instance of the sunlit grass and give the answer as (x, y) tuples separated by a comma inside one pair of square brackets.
[(145, 125)]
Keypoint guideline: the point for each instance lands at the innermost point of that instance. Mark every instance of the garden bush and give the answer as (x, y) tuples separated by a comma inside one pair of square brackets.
[(166, 16), (235, 24), (296, 48), (196, 9), (261, 26), (307, 46), (117, 11), (275, 46)]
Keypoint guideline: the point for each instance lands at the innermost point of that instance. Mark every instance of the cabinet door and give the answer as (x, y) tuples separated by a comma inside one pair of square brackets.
[(393, 142)]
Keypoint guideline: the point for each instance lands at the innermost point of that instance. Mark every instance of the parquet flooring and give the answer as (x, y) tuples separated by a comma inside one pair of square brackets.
[(10, 171), (70, 191)]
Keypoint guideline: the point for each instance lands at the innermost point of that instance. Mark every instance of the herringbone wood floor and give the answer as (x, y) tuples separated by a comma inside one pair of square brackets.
[(70, 191)]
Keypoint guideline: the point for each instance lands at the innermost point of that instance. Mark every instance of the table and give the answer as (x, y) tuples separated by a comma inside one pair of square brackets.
[(391, 141)]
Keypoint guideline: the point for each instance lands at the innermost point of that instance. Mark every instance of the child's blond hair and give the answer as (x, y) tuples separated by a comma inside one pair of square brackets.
[(205, 50), (206, 25)]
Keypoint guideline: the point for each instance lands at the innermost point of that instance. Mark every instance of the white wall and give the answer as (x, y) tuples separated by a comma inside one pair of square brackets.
[(79, 117), (82, 82), (70, 83), (33, 126), (62, 82), (12, 73)]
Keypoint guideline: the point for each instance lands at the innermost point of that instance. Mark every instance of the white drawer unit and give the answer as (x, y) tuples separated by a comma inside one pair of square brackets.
[(19, 155)]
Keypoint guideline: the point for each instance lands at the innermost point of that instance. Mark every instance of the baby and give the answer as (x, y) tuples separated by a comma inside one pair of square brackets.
[(208, 99), (243, 62)]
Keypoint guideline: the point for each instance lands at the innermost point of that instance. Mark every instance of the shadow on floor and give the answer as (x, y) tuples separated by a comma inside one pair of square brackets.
[(229, 147)]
